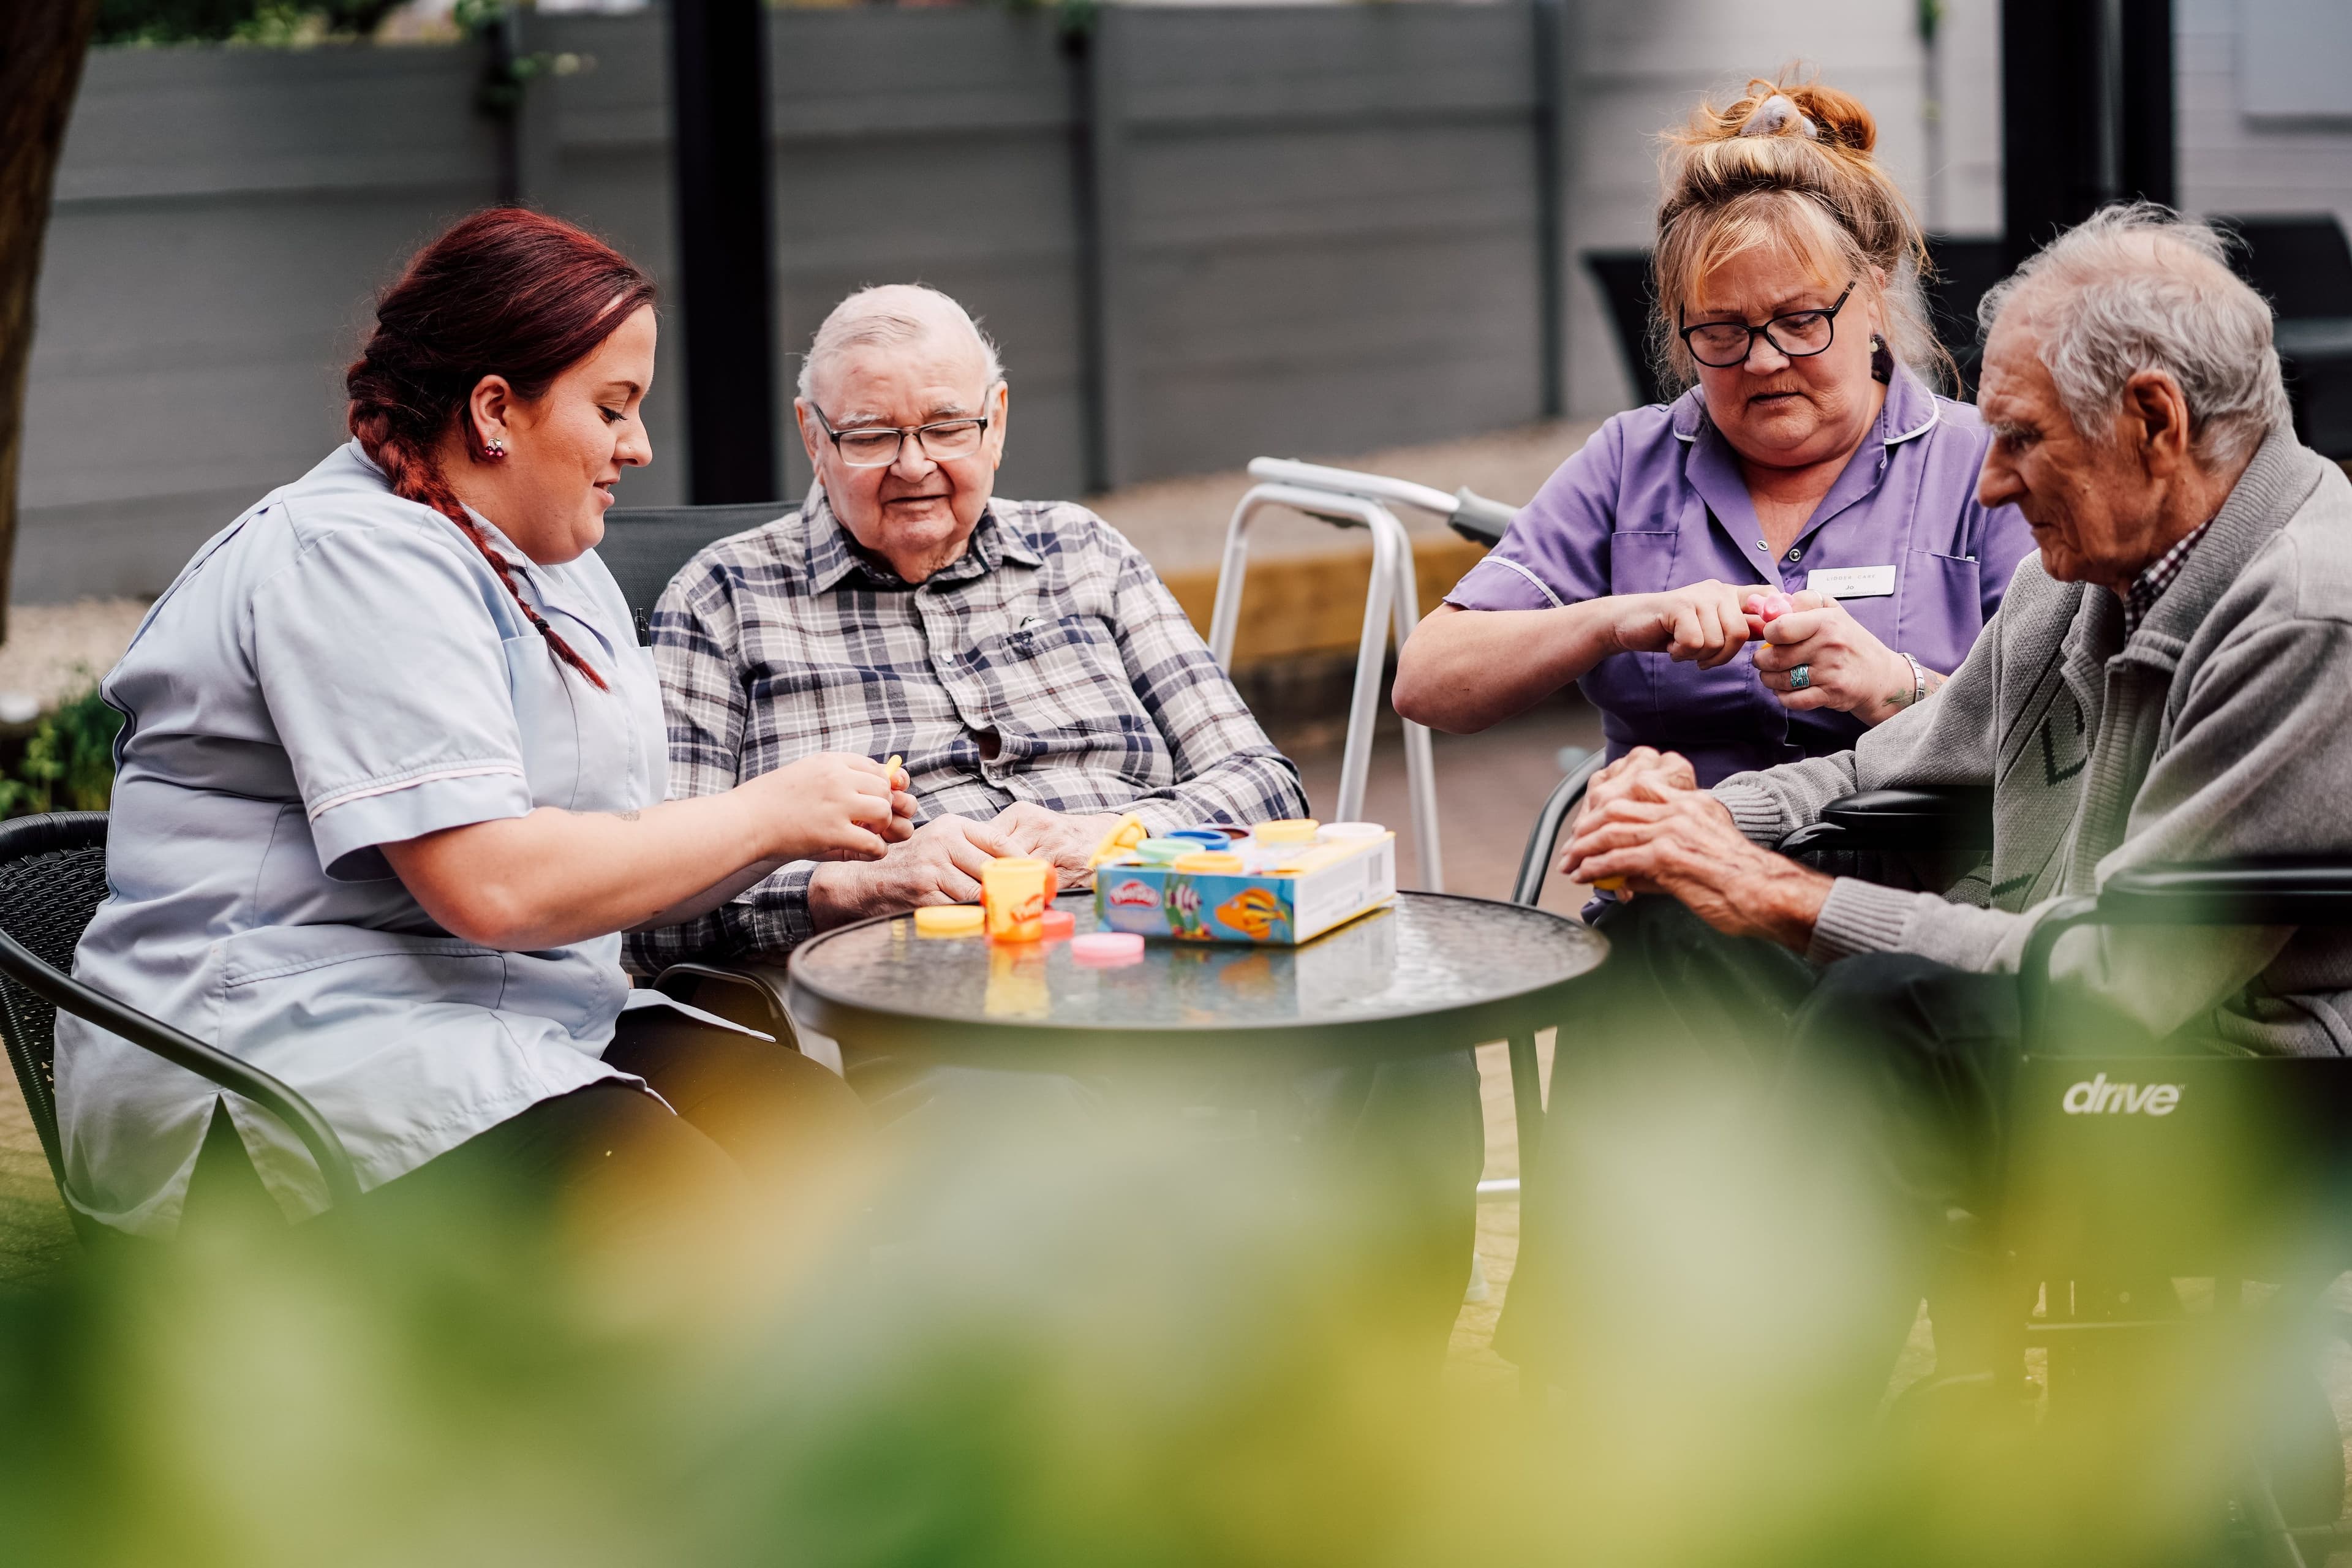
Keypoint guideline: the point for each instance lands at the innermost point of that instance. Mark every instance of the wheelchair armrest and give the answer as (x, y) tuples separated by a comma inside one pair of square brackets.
[(1943, 818), (210, 1063), (751, 995), (2281, 892)]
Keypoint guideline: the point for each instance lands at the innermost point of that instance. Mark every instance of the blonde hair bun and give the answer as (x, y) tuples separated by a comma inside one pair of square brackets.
[(1774, 108), (1787, 165)]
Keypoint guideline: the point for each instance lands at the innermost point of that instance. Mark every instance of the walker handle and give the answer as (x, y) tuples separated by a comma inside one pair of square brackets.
[(1478, 520)]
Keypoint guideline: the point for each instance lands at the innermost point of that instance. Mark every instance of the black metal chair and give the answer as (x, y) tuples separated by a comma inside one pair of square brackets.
[(52, 880), (2153, 1167), (1625, 286), (2304, 265), (1963, 270), (645, 547)]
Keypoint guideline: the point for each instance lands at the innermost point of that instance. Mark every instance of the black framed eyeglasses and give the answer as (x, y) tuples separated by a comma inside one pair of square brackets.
[(1799, 334), (877, 445)]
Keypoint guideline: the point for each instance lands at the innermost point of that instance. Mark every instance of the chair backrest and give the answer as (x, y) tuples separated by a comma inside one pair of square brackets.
[(52, 880), (2302, 262), (645, 547), (1964, 270), (1625, 279)]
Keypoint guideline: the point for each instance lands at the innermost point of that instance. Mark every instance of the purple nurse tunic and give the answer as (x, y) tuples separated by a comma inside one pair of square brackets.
[(1654, 501)]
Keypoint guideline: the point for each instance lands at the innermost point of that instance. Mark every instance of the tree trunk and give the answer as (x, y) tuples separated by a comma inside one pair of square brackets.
[(42, 43)]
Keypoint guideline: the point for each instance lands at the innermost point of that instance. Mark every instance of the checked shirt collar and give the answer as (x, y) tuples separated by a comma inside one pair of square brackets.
[(2146, 588), (833, 556)]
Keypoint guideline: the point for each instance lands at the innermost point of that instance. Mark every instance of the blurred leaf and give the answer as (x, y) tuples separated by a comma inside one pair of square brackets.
[(276, 22)]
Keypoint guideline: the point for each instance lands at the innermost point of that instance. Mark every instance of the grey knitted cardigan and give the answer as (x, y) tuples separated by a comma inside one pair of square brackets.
[(2223, 727)]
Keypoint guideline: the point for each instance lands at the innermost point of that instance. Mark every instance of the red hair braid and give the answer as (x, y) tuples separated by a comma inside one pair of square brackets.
[(506, 292)]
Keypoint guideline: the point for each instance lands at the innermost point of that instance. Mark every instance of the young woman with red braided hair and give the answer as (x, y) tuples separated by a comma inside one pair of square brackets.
[(391, 785)]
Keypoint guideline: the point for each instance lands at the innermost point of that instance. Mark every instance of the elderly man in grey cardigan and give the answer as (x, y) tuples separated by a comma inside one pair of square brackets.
[(2169, 679)]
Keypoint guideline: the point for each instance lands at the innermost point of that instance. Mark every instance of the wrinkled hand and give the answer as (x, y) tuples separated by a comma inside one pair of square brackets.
[(939, 863), (1664, 836), (1849, 668), (831, 806), (1642, 765), (1067, 841), (1704, 622)]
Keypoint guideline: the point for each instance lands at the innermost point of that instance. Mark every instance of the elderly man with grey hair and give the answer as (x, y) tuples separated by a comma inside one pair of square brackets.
[(1023, 657), (1039, 679), (2169, 679)]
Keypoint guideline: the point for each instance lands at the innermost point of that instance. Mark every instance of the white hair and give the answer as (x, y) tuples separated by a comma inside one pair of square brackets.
[(888, 315), (2136, 287)]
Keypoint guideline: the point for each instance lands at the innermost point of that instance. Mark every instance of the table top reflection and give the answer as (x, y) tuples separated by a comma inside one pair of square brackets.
[(1429, 959)]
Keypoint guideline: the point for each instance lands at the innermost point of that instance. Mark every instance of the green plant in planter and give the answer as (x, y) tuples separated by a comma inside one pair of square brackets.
[(69, 762)]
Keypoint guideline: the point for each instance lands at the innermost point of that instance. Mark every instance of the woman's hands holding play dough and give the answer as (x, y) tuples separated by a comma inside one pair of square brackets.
[(1704, 622), (1846, 668), (833, 806)]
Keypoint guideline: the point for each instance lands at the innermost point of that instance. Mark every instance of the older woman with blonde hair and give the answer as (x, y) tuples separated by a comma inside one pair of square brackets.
[(1790, 551)]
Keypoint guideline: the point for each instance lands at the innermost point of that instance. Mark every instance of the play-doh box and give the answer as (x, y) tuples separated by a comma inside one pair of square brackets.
[(1285, 883)]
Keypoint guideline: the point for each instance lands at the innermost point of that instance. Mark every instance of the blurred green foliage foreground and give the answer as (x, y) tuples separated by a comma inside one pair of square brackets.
[(1144, 1349)]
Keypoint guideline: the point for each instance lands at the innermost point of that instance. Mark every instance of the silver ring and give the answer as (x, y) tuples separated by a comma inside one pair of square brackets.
[(1800, 678)]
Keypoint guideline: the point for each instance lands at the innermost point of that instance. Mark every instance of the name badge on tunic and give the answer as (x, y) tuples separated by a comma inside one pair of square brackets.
[(1852, 582)]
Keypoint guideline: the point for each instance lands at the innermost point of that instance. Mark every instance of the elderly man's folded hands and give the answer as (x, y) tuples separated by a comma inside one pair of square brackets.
[(939, 863), (942, 861), (1645, 819), (1068, 841)]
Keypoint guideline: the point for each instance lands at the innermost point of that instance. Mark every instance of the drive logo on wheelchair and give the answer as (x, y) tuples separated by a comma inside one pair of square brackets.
[(2095, 1096)]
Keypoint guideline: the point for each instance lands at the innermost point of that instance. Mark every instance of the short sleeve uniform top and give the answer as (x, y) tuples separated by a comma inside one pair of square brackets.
[(1654, 501), (336, 670)]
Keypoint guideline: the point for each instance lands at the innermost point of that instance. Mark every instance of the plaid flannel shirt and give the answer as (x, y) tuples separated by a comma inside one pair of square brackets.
[(1048, 664), (2142, 593)]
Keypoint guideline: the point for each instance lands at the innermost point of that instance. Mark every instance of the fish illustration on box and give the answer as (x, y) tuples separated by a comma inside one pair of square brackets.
[(1258, 914), (1181, 904)]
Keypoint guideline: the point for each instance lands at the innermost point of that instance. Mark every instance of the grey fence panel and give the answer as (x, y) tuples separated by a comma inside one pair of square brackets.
[(1311, 229), (223, 219), (937, 147), (593, 147), (1329, 230)]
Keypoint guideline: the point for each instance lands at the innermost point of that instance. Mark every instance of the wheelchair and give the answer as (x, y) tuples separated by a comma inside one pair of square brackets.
[(2120, 1170)]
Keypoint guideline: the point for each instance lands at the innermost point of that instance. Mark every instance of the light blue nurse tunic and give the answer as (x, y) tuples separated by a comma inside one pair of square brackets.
[(338, 669)]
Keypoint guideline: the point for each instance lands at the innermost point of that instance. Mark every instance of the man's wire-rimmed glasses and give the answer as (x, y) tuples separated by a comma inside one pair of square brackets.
[(1799, 334), (876, 446)]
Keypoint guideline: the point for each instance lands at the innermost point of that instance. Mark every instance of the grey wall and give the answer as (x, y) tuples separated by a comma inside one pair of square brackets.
[(1318, 230), (2243, 149), (1640, 65), (221, 219), (1320, 223)]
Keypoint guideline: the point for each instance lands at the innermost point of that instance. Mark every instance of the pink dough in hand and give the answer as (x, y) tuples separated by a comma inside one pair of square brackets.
[(1770, 607)]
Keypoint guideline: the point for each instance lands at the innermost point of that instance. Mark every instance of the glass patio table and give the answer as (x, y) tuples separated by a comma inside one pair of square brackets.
[(1435, 972)]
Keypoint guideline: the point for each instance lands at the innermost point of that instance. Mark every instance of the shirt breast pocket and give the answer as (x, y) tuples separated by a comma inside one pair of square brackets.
[(1058, 676), (1642, 560), (548, 718), (1943, 609)]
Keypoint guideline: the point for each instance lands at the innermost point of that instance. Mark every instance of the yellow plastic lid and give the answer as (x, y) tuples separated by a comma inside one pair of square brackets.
[(950, 920), (1209, 863), (1286, 830)]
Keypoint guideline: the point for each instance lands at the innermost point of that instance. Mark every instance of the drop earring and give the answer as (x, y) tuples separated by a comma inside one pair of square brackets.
[(495, 447), (1882, 359)]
